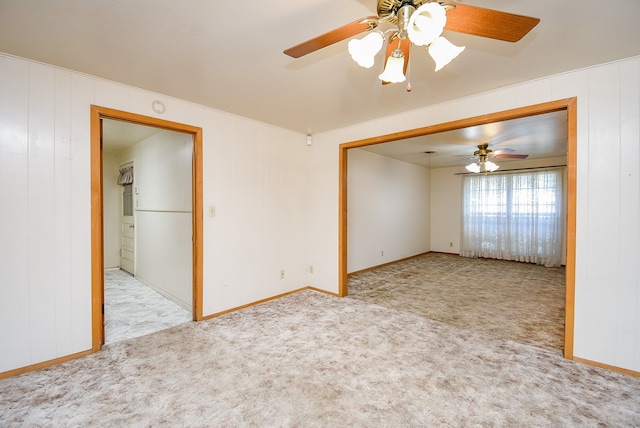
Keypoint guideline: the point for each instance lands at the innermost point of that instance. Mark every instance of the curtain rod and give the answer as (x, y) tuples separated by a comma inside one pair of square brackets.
[(508, 170)]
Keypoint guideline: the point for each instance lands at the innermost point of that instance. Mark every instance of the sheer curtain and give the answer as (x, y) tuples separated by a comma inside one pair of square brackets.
[(514, 216)]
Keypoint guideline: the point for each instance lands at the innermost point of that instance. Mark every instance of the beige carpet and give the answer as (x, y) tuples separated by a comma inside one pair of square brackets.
[(509, 300), (314, 360)]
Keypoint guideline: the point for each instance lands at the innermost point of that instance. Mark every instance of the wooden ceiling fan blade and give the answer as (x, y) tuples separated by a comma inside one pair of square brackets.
[(489, 23), (502, 151), (405, 47), (510, 156), (333, 36)]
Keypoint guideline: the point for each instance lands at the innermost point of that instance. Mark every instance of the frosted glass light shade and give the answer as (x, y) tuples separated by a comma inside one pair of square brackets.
[(426, 23), (363, 51), (482, 166), (473, 167), (443, 51), (393, 71), (490, 166)]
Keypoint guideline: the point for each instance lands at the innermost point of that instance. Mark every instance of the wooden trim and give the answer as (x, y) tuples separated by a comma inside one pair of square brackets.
[(517, 113), (319, 290), (568, 104), (607, 366), (97, 245), (257, 302), (97, 233), (389, 263), (342, 222), (570, 268), (197, 225), (44, 364), (55, 361)]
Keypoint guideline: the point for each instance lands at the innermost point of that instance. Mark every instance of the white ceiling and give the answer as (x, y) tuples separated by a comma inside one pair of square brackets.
[(118, 135), (228, 55), (540, 136)]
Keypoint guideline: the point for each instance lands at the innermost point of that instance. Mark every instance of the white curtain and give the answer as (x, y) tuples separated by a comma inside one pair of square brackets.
[(126, 175), (514, 216)]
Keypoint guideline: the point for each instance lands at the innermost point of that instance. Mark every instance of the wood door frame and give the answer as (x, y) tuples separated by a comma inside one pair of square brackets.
[(568, 104), (97, 230)]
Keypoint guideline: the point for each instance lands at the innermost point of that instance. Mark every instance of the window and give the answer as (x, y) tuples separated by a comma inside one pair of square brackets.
[(514, 216), (127, 199)]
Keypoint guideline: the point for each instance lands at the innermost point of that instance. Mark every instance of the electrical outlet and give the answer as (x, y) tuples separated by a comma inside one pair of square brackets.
[(311, 269), (451, 244), (281, 274), (212, 210), (381, 253)]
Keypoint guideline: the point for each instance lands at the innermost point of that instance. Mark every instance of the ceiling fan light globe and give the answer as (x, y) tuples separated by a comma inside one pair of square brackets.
[(443, 52), (473, 167), (490, 166), (393, 71), (363, 51), (426, 23)]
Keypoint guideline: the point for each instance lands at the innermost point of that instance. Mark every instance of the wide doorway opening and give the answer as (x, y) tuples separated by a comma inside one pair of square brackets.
[(567, 106)]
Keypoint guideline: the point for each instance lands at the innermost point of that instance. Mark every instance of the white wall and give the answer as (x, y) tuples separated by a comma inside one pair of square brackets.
[(163, 214), (277, 202), (255, 174), (446, 202), (607, 292), (112, 196), (389, 216)]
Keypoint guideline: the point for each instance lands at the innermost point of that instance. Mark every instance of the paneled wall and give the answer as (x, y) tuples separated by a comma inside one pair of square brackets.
[(607, 289), (254, 174), (276, 202)]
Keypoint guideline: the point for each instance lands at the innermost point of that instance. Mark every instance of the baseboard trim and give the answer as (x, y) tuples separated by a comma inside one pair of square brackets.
[(388, 263), (607, 367), (257, 302), (44, 364)]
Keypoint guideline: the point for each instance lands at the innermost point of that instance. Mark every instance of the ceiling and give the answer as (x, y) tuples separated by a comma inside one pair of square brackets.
[(540, 136), (228, 55), (118, 135)]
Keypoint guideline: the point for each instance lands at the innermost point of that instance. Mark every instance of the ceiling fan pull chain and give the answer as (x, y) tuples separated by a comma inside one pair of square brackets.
[(409, 88)]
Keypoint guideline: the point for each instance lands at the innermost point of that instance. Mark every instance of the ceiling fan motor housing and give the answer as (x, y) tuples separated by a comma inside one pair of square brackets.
[(393, 9), (483, 150)]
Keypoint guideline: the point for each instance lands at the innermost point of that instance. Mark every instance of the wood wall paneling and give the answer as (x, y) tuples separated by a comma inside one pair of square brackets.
[(41, 205), (82, 94), (603, 230), (628, 299), (62, 212), (14, 227)]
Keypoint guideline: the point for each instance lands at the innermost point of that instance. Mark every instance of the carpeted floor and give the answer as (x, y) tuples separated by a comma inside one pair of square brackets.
[(314, 360), (131, 309), (516, 301)]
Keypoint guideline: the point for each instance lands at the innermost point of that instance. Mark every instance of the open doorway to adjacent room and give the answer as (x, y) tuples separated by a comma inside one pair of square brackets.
[(146, 202), (563, 109)]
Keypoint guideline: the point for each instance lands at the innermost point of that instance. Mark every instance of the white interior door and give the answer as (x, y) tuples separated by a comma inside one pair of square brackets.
[(127, 231)]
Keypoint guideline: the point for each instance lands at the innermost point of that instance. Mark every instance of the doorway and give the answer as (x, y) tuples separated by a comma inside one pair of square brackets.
[(570, 105), (97, 210), (127, 225)]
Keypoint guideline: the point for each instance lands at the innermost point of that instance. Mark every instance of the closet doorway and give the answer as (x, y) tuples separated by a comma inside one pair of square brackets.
[(155, 216)]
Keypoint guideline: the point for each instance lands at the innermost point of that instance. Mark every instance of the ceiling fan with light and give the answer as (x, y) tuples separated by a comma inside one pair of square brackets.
[(483, 154), (421, 23)]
